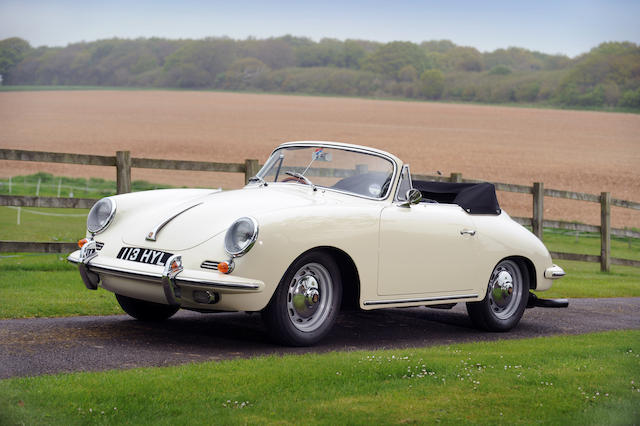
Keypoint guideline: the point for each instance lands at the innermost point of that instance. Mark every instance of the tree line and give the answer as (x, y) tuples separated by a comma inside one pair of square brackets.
[(606, 76)]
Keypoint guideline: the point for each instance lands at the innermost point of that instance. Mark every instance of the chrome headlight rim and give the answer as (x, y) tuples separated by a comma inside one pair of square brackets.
[(251, 241), (109, 219)]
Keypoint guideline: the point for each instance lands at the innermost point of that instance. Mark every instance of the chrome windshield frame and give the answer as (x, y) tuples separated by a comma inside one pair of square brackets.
[(361, 150)]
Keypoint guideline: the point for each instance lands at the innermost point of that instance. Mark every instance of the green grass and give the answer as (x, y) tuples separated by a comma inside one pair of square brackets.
[(586, 280), (46, 285), (67, 225), (581, 380), (589, 243), (47, 185)]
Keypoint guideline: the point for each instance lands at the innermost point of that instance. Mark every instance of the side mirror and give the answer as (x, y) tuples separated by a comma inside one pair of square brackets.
[(413, 197)]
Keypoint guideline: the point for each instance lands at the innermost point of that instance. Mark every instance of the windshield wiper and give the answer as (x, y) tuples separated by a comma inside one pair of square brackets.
[(303, 177), (257, 178)]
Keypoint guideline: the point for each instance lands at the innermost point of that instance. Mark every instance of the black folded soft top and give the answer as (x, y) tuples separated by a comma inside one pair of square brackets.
[(474, 198)]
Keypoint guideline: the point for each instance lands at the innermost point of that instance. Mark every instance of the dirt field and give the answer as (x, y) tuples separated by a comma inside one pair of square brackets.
[(580, 151)]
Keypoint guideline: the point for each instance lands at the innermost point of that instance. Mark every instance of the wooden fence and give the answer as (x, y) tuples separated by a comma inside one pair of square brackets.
[(123, 162)]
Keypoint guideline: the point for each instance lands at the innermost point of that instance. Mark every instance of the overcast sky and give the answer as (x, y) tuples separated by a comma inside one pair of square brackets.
[(552, 26)]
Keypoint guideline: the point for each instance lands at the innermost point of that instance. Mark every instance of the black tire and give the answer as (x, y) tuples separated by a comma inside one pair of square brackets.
[(145, 311), (501, 310), (306, 303)]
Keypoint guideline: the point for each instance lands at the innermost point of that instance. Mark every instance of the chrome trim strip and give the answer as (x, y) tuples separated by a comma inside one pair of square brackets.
[(158, 278), (219, 284), (153, 234), (126, 273), (426, 299)]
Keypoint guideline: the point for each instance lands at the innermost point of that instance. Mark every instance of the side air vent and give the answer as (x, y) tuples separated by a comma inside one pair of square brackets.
[(210, 264), (99, 245)]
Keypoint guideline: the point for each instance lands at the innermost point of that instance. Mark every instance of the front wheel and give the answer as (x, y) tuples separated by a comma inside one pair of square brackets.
[(145, 311), (306, 303), (506, 298)]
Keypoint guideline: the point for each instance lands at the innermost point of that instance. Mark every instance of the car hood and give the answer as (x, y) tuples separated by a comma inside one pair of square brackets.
[(188, 223)]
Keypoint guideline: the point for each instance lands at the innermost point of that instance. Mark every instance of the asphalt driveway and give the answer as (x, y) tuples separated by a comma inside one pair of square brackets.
[(30, 347)]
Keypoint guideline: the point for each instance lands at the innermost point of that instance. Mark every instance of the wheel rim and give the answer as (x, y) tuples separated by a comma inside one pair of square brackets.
[(505, 289), (309, 297)]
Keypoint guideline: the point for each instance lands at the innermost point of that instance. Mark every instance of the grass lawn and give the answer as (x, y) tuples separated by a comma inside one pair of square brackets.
[(586, 379), (586, 280), (42, 224), (46, 285), (589, 243)]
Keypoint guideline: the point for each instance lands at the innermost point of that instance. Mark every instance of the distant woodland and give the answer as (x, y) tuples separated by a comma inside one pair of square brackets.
[(607, 76)]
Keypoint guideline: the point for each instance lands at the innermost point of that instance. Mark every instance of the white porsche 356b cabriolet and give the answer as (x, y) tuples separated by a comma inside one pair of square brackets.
[(322, 225)]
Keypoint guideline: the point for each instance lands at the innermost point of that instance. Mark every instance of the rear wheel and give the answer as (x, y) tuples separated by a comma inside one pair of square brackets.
[(145, 311), (305, 305), (506, 298)]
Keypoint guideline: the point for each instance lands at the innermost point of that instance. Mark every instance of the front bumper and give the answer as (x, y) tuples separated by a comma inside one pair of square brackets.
[(171, 284)]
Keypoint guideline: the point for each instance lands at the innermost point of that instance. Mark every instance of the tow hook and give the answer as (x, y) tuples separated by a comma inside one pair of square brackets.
[(546, 303)]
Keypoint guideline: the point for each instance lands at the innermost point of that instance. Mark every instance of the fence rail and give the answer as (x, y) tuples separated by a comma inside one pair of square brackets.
[(124, 162)]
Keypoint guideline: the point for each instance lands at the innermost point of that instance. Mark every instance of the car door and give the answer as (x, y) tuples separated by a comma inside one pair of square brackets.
[(428, 250)]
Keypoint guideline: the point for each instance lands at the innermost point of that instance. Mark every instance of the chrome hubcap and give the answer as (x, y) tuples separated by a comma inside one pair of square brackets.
[(505, 288), (308, 297)]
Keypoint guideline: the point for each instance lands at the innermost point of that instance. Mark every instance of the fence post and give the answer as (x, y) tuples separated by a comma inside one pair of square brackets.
[(538, 209), (455, 177), (251, 168), (123, 171), (605, 231)]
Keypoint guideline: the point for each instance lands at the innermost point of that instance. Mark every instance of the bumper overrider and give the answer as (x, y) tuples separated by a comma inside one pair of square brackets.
[(180, 286)]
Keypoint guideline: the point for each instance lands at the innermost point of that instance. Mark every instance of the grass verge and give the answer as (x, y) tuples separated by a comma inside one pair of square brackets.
[(48, 286), (587, 379), (586, 280)]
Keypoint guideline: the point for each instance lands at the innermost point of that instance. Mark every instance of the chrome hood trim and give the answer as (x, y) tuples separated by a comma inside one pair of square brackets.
[(153, 234)]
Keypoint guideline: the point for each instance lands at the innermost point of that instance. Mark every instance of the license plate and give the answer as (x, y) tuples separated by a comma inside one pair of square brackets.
[(150, 256)]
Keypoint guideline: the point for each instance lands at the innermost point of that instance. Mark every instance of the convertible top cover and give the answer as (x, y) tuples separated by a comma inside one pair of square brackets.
[(474, 198)]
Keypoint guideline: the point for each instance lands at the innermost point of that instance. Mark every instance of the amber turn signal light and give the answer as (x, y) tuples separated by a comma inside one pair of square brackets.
[(223, 267), (82, 242)]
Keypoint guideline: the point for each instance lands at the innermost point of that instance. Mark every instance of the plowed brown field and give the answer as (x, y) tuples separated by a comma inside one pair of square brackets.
[(573, 150)]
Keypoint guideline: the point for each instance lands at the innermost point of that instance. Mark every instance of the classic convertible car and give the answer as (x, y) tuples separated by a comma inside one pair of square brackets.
[(322, 225)]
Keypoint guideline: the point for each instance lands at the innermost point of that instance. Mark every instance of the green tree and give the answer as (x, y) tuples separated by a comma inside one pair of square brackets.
[(408, 73), (12, 51), (432, 84), (390, 58)]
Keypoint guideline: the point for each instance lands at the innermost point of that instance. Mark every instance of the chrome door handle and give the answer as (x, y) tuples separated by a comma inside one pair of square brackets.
[(471, 232)]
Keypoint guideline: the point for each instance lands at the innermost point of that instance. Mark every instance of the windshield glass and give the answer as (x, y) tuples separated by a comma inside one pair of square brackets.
[(355, 172)]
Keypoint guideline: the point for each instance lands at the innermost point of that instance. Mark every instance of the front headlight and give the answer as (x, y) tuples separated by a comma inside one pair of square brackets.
[(101, 215), (241, 236)]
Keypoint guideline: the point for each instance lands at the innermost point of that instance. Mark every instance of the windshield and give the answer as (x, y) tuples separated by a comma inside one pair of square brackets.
[(344, 170)]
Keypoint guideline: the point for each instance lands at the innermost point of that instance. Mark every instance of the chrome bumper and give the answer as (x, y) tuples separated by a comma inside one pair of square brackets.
[(554, 272), (172, 277)]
